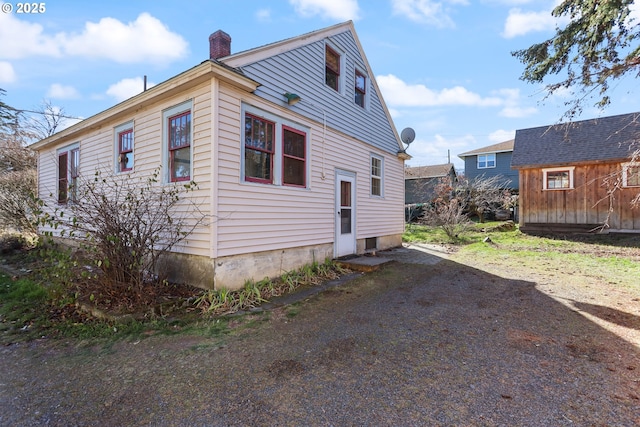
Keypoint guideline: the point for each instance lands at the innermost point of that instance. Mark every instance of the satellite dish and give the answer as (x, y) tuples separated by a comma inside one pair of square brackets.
[(408, 135)]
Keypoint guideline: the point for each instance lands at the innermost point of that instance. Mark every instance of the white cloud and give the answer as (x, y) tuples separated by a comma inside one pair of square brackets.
[(634, 11), (144, 40), (7, 73), (502, 135), (332, 9), (59, 91), (263, 15), (512, 107), (27, 39), (519, 23), (436, 13), (518, 112), (126, 88), (399, 94), (438, 149)]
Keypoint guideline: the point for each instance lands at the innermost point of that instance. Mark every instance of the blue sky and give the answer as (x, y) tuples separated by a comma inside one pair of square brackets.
[(444, 66)]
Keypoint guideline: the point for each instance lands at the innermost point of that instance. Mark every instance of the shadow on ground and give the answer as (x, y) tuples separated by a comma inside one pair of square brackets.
[(412, 344)]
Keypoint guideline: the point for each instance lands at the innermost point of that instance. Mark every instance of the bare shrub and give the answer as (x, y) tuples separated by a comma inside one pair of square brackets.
[(125, 225), (446, 211), (481, 195)]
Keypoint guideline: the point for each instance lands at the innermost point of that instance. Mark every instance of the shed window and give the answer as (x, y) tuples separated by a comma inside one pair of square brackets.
[(558, 178), (631, 174)]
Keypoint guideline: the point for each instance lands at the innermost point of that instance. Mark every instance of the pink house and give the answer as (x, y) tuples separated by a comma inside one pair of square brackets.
[(292, 146)]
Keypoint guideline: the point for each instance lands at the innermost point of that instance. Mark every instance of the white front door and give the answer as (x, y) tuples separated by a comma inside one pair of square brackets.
[(345, 214)]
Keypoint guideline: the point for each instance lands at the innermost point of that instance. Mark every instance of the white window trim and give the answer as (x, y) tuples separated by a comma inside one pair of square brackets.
[(343, 63), (570, 169), (170, 112), (381, 177), (279, 122), (486, 161), (625, 168), (116, 146)]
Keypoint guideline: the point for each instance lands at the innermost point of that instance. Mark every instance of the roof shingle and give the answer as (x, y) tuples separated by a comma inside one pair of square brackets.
[(612, 138)]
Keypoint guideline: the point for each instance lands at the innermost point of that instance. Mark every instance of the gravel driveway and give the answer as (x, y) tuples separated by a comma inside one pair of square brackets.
[(418, 343)]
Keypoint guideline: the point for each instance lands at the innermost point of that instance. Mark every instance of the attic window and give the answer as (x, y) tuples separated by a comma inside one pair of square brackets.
[(332, 68), (558, 178), (631, 174), (360, 88)]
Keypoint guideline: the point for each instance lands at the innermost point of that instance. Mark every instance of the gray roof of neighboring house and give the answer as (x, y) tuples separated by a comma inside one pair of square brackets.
[(610, 138), (495, 148), (433, 171)]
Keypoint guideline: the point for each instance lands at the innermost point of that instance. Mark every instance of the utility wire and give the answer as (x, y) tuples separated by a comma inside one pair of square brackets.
[(48, 114)]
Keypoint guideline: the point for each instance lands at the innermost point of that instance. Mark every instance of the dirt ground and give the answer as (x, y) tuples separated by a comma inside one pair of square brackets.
[(418, 343)]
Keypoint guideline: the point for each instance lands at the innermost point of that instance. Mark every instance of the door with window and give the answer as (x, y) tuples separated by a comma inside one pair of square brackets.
[(345, 241)]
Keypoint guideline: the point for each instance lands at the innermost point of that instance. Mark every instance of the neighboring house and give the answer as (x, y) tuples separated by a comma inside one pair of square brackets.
[(493, 160), (420, 181), (291, 144), (567, 172)]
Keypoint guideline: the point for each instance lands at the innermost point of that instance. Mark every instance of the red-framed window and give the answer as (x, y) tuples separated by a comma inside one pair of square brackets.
[(125, 150), (258, 149), (74, 173), (294, 147), (68, 175), (63, 177), (179, 131), (332, 68), (360, 88)]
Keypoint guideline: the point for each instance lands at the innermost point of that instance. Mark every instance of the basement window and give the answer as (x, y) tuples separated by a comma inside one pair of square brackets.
[(370, 243)]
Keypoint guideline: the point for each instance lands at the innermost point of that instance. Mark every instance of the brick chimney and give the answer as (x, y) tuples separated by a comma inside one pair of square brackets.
[(219, 45)]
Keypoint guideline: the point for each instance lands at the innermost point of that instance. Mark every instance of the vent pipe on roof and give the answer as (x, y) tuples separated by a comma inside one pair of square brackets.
[(219, 45), (145, 83)]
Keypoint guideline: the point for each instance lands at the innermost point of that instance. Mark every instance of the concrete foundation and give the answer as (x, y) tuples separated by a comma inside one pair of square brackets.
[(233, 271), (383, 242)]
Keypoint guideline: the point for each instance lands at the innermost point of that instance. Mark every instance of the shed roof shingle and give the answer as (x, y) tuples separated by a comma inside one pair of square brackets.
[(588, 141)]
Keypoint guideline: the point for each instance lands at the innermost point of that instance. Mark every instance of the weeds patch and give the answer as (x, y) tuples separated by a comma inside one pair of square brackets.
[(223, 301)]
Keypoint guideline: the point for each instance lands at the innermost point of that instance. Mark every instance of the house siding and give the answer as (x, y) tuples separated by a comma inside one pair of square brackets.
[(583, 207), (301, 71), (257, 230), (256, 217), (503, 169), (97, 154)]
